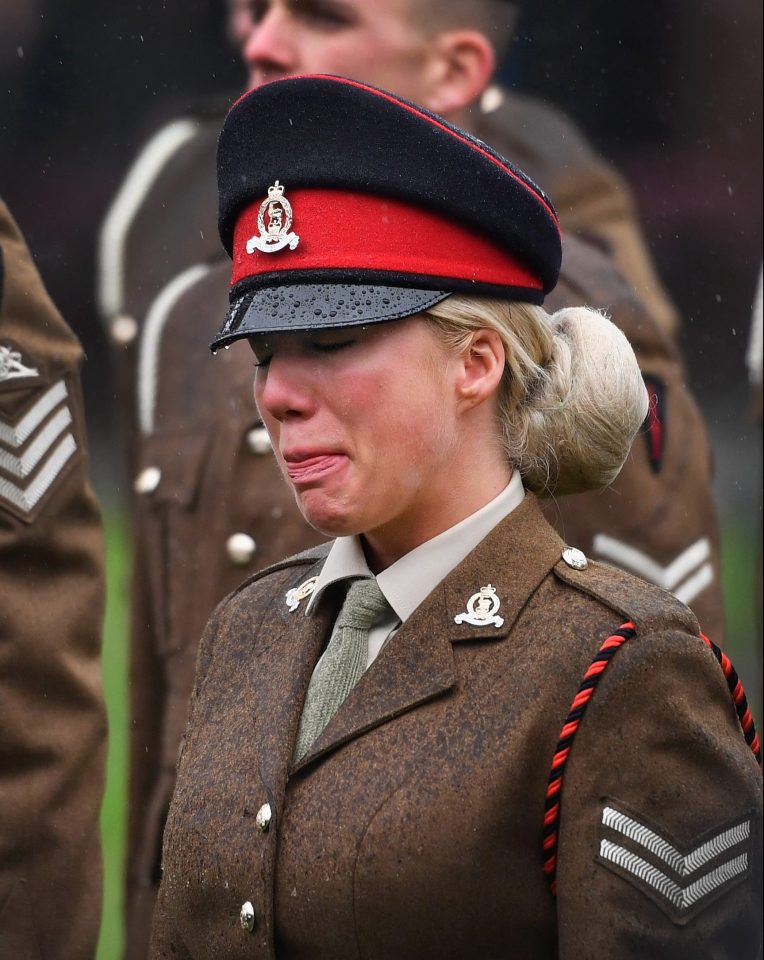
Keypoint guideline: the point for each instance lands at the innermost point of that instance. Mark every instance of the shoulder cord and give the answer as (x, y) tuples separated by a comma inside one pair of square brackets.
[(573, 721), (738, 696)]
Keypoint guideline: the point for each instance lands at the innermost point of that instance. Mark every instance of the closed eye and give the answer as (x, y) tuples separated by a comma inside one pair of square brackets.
[(331, 346), (325, 13)]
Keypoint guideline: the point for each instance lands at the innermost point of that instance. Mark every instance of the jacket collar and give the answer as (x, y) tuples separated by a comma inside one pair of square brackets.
[(408, 581), (417, 664)]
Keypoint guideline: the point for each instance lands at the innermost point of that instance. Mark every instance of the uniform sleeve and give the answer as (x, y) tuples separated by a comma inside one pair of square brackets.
[(660, 824), (52, 721)]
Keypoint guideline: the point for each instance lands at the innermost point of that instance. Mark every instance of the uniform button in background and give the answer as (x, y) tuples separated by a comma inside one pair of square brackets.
[(240, 548), (147, 480), (247, 916), (258, 440), (124, 329), (264, 817)]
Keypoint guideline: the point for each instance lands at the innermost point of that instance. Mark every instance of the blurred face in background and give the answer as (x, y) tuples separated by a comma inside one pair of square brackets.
[(377, 41)]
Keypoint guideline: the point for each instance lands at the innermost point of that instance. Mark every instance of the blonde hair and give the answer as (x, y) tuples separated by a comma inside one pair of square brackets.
[(571, 398)]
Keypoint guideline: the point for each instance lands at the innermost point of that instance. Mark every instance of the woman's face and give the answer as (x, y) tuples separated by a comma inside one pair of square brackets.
[(364, 422)]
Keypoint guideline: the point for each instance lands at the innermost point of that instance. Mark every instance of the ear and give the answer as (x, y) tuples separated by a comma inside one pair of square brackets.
[(462, 66), (481, 368)]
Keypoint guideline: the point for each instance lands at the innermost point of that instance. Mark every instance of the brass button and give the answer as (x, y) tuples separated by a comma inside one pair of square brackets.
[(575, 558), (247, 917), (492, 99), (124, 330), (147, 480), (258, 440), (264, 817), (240, 548)]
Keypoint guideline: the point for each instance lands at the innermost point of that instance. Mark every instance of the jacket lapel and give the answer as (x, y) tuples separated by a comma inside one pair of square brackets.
[(284, 659), (417, 664), (514, 558)]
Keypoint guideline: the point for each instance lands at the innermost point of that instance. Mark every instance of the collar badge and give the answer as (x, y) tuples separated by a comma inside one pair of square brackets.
[(276, 235), (482, 608), (297, 594), (12, 366)]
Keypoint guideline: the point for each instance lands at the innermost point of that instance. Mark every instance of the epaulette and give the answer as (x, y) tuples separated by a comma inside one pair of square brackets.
[(646, 605), (304, 558)]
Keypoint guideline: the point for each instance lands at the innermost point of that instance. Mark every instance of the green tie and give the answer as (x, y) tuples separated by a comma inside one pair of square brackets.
[(343, 662)]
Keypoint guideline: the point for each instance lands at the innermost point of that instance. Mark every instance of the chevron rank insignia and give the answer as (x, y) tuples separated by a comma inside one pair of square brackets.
[(682, 882), (36, 444), (686, 576)]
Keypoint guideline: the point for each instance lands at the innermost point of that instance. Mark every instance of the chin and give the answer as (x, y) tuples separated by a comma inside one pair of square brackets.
[(331, 519)]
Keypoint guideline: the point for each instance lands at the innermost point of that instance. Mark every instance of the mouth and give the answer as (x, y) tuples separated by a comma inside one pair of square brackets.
[(307, 468)]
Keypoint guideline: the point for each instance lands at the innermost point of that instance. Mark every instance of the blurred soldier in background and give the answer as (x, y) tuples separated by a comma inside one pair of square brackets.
[(754, 360), (756, 349), (52, 720), (210, 506)]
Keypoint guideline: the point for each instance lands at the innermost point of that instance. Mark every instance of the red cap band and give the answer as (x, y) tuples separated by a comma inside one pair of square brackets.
[(352, 231)]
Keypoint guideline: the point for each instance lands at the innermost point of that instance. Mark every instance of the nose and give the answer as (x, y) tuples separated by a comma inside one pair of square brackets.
[(283, 389), (268, 51)]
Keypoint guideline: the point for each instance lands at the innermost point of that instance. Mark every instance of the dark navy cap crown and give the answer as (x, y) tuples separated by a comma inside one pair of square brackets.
[(327, 181)]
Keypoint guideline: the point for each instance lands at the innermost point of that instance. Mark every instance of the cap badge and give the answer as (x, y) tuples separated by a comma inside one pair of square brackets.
[(12, 367), (276, 235), (482, 608), (297, 594)]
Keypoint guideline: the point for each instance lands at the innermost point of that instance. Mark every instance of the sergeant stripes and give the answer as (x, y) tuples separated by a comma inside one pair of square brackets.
[(44, 458), (687, 576), (681, 898), (13, 435), (660, 847)]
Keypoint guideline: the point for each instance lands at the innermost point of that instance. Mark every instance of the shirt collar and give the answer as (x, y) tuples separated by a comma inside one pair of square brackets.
[(407, 582)]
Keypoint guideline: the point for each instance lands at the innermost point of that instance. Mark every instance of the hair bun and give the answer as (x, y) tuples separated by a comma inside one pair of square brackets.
[(586, 409)]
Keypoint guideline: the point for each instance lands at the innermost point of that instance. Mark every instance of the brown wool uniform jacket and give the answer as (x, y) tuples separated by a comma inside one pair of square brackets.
[(412, 828), (211, 507), (52, 722)]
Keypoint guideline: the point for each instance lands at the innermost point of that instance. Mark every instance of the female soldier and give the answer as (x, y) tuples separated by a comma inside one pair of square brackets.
[(374, 760)]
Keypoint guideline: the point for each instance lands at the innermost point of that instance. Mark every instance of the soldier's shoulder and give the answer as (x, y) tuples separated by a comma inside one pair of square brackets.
[(511, 118), (650, 608)]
